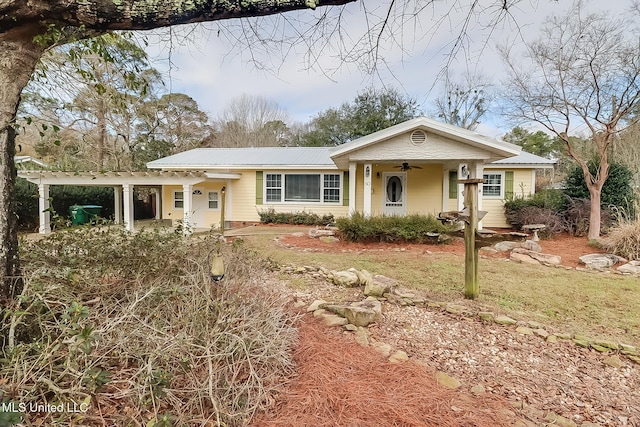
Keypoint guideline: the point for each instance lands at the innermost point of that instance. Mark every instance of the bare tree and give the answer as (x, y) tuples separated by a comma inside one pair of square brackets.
[(584, 76), (251, 121), (465, 102)]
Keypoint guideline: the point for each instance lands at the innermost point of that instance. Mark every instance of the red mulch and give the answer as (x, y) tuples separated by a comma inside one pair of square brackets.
[(570, 248), (342, 384)]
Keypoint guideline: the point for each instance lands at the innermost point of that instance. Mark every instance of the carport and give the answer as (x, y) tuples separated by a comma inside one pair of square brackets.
[(123, 184)]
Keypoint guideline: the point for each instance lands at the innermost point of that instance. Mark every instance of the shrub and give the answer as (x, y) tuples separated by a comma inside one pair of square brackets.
[(410, 228), (545, 207), (133, 321), (270, 216), (577, 217), (616, 191), (553, 221), (624, 239)]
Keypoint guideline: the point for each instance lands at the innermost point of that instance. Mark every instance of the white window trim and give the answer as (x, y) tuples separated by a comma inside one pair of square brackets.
[(490, 172), (175, 199), (322, 188), (209, 200)]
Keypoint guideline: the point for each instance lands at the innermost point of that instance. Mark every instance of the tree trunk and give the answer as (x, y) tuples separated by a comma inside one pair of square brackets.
[(17, 62), (595, 212)]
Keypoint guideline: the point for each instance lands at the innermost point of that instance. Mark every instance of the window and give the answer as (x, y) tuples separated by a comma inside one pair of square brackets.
[(492, 185), (274, 187), (331, 188), (301, 188), (212, 197), (296, 187), (178, 200)]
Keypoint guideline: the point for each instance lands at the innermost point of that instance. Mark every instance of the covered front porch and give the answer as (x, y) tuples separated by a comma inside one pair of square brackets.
[(397, 187), (124, 183)]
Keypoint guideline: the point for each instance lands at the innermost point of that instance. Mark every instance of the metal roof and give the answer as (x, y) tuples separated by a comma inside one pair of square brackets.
[(525, 158), (247, 158)]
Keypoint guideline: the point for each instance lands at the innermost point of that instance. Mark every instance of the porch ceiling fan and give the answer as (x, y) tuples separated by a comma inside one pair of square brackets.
[(405, 167)]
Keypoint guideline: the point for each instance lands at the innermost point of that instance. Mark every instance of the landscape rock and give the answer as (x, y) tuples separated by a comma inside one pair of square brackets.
[(504, 320), (532, 257), (380, 285), (524, 330), (364, 277), (398, 357), (348, 278), (632, 267), (507, 246), (487, 316), (614, 361), (382, 348), (316, 305), (362, 337), (328, 239), (333, 319), (361, 313), (447, 381), (317, 232), (600, 261)]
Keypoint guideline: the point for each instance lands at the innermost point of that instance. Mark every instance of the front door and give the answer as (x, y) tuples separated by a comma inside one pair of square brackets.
[(199, 207), (394, 199)]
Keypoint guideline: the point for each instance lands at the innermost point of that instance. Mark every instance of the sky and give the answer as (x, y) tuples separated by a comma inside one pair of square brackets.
[(207, 63)]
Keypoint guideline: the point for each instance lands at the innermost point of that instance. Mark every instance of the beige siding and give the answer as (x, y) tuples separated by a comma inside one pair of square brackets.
[(243, 198), (495, 207), (435, 148), (424, 190), (211, 217)]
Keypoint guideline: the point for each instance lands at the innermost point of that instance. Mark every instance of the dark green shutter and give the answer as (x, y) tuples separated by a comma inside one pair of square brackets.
[(345, 188), (453, 184), (259, 187), (508, 185)]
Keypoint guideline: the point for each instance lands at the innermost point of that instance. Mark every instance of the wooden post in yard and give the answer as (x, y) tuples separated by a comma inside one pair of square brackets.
[(471, 286)]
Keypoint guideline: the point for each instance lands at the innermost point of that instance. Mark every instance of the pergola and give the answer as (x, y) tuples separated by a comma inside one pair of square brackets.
[(123, 184)]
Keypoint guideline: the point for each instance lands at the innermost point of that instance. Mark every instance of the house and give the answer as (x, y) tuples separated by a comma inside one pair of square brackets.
[(412, 167)]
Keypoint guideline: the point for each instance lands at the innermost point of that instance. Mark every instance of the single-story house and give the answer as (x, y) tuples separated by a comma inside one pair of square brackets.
[(412, 167)]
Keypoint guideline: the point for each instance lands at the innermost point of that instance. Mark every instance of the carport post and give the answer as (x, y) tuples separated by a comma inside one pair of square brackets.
[(127, 196), (44, 205)]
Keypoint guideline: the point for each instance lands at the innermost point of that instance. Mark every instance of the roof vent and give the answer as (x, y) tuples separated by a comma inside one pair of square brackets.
[(418, 137)]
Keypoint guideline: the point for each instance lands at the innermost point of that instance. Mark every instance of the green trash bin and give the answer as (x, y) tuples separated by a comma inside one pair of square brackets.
[(78, 215), (93, 211)]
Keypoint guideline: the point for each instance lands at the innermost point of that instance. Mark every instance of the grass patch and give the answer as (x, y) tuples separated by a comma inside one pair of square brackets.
[(598, 305)]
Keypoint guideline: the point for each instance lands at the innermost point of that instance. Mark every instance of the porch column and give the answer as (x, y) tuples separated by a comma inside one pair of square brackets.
[(477, 172), (117, 205), (352, 188), (227, 206), (367, 190), (445, 190), (462, 167), (44, 205), (158, 205), (127, 198), (187, 192)]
